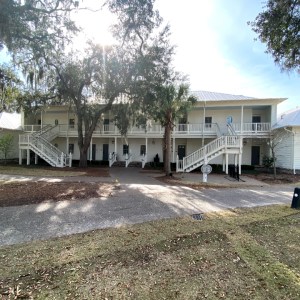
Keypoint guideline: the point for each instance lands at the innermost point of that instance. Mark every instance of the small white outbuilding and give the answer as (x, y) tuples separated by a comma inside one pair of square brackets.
[(288, 151)]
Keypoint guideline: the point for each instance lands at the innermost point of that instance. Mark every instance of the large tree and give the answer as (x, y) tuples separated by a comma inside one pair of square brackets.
[(91, 85), (278, 26)]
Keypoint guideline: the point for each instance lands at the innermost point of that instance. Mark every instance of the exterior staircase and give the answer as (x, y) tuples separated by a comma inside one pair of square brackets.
[(39, 143), (221, 145)]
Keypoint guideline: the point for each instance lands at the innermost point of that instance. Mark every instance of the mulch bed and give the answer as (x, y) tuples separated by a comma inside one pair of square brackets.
[(280, 178), (15, 194)]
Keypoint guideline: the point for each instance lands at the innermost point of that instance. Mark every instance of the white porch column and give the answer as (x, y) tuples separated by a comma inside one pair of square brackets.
[(226, 163), (146, 145), (41, 119), (240, 163), (35, 159), (20, 157), (115, 145), (28, 157), (223, 162), (67, 145), (203, 124), (173, 150), (242, 119)]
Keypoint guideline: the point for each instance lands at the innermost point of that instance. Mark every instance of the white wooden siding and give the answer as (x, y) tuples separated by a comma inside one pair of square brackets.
[(297, 148), (284, 152)]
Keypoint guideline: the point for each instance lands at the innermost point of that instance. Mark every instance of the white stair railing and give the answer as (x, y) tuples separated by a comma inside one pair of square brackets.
[(230, 129), (45, 150), (128, 159), (207, 152), (112, 158), (144, 160), (48, 132)]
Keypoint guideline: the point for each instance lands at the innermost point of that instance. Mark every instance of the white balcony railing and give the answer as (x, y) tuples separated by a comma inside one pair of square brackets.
[(252, 128), (207, 129)]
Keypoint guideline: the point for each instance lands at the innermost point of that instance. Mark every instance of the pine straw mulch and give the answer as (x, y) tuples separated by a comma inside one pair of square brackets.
[(281, 178), (23, 193)]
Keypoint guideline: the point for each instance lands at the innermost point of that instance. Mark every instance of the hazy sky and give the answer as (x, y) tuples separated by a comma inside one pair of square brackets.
[(215, 47)]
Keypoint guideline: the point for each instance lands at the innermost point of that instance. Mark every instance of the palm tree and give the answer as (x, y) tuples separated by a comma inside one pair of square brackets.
[(171, 103)]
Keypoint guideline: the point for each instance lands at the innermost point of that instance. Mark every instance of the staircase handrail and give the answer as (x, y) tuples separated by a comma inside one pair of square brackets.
[(45, 142), (48, 132), (57, 156), (218, 130), (144, 160), (42, 130), (209, 149), (112, 158), (230, 129), (128, 159), (44, 148)]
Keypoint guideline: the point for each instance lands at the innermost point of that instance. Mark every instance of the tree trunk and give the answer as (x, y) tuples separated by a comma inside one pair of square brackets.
[(167, 152), (83, 157)]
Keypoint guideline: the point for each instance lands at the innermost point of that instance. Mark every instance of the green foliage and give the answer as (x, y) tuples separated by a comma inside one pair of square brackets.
[(10, 88), (136, 21), (268, 162), (6, 143), (35, 24), (170, 102), (165, 104), (278, 26)]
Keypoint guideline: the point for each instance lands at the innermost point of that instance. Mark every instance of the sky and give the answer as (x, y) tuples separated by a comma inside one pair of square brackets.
[(214, 46)]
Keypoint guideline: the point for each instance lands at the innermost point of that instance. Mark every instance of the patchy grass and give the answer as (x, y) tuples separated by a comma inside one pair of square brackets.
[(237, 254), (38, 171), (44, 171)]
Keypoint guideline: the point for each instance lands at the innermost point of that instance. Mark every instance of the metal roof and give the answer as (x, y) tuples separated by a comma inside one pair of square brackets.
[(213, 96), (10, 121), (289, 118)]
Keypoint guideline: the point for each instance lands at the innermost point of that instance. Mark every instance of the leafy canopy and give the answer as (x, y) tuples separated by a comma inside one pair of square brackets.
[(35, 24), (10, 88), (278, 26)]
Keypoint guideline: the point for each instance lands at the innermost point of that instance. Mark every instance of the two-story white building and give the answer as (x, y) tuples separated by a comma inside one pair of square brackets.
[(219, 129)]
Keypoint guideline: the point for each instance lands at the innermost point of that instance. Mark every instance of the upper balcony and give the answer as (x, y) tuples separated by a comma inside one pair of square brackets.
[(180, 130)]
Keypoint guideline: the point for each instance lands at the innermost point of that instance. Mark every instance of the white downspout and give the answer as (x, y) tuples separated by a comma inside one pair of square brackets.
[(293, 148)]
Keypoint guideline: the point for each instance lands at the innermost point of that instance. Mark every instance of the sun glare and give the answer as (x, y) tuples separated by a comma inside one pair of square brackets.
[(95, 23)]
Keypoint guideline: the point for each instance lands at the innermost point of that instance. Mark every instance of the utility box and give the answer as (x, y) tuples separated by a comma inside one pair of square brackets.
[(296, 199)]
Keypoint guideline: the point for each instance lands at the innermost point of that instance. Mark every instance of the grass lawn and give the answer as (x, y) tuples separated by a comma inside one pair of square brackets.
[(47, 171), (37, 171), (237, 254)]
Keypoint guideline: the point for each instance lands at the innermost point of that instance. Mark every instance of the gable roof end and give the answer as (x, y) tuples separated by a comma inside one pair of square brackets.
[(290, 118)]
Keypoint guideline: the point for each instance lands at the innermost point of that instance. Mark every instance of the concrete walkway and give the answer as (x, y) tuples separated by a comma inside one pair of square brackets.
[(138, 198)]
